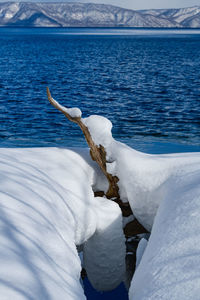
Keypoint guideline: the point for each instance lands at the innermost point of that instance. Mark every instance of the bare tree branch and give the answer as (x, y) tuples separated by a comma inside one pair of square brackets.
[(98, 154)]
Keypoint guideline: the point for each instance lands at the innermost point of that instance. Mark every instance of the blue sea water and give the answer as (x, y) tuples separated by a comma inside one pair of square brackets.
[(147, 82)]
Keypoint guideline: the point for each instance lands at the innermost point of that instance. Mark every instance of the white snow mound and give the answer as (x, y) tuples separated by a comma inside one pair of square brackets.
[(100, 129), (170, 264), (143, 178), (44, 211), (47, 207)]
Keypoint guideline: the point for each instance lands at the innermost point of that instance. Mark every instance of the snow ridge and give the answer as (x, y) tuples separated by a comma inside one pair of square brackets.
[(48, 208)]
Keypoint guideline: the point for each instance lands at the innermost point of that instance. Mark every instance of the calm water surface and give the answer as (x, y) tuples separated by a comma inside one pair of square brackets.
[(147, 82)]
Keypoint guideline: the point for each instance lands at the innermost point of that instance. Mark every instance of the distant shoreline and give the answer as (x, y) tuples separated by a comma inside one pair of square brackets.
[(92, 15), (104, 27)]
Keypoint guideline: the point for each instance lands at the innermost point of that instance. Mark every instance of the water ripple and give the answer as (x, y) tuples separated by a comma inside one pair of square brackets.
[(148, 87)]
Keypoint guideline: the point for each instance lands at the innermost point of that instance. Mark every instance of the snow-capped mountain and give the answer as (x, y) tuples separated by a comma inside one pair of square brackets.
[(184, 17), (93, 15)]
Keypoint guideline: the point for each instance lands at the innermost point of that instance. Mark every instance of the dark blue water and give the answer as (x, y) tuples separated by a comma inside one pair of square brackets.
[(147, 82), (120, 293)]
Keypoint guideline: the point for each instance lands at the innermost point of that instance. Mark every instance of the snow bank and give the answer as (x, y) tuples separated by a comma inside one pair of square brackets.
[(169, 268), (143, 178), (44, 211), (47, 208)]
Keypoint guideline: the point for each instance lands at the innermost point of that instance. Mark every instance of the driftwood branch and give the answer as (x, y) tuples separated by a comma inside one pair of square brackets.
[(98, 154)]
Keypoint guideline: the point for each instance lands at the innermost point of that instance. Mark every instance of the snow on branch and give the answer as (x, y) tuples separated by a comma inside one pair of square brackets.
[(93, 127), (97, 153), (73, 114)]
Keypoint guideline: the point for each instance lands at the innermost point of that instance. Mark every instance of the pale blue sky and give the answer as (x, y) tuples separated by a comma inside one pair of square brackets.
[(146, 4), (133, 4)]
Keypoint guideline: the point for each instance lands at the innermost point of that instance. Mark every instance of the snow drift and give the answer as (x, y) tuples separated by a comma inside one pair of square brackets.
[(143, 178), (47, 208), (170, 264)]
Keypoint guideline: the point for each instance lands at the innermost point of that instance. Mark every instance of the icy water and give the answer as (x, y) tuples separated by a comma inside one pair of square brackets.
[(147, 82)]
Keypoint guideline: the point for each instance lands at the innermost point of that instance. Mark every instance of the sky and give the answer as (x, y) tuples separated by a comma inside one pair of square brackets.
[(147, 4), (132, 4)]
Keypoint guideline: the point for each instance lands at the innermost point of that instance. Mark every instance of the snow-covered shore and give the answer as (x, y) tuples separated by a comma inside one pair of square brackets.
[(48, 207), (169, 268)]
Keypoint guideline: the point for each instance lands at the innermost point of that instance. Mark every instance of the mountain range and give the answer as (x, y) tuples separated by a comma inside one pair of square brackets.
[(48, 14)]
